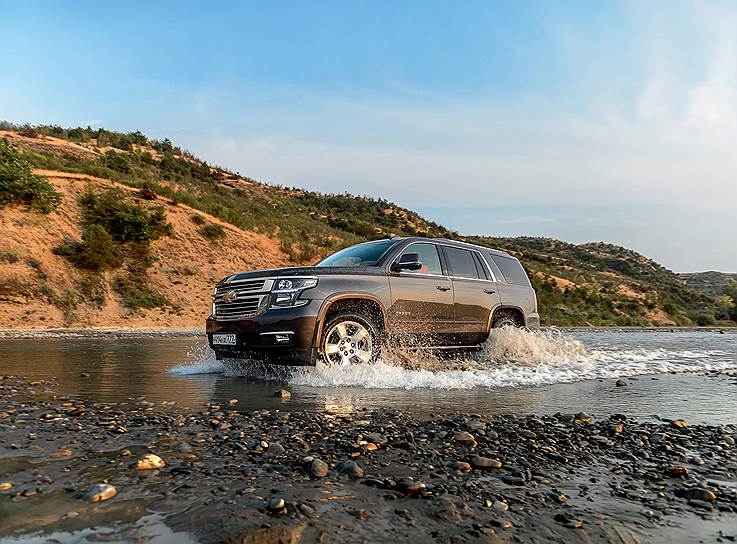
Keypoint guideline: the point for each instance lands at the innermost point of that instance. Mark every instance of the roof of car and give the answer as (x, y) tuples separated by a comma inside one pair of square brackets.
[(453, 243)]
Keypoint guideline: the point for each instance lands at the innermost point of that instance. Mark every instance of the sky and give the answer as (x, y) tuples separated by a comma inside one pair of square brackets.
[(583, 121)]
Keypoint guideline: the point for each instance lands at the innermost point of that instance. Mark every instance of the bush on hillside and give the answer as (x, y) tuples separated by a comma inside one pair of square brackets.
[(123, 221), (18, 183), (212, 231)]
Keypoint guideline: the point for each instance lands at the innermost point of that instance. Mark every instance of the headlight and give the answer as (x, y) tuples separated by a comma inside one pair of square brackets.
[(287, 291)]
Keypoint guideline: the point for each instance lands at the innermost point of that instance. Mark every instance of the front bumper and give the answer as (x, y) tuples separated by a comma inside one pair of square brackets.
[(283, 336), (533, 321)]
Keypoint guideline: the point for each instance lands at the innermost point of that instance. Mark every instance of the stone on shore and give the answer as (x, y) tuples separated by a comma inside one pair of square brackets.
[(150, 462), (101, 492)]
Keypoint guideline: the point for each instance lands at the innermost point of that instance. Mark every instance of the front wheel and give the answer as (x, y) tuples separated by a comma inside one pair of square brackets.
[(350, 339)]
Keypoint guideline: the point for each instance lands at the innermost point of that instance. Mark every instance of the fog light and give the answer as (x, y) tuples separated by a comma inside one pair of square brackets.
[(281, 338)]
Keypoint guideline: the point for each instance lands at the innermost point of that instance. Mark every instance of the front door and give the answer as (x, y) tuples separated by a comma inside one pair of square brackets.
[(422, 301), (474, 294)]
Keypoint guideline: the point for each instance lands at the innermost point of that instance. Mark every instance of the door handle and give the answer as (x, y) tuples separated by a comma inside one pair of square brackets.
[(489, 291), (442, 288)]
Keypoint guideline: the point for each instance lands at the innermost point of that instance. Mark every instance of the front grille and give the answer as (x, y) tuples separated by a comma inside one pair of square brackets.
[(239, 307), (250, 286)]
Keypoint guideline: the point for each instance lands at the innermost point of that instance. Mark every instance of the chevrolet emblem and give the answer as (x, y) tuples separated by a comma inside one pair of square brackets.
[(229, 296)]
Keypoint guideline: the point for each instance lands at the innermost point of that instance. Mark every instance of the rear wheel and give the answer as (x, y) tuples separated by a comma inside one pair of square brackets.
[(350, 339), (506, 318)]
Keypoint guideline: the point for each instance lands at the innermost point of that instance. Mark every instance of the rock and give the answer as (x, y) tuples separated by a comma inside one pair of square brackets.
[(283, 393), (276, 506), (476, 426), (376, 438), (59, 454), (84, 375), (275, 448), (350, 469), (620, 383), (701, 494), (306, 510), (499, 506), (409, 487), (5, 486), (464, 437), (233, 401), (485, 462), (101, 492), (513, 479), (150, 462), (70, 515), (317, 468), (729, 440), (701, 504), (459, 465), (676, 472), (582, 418), (679, 423)]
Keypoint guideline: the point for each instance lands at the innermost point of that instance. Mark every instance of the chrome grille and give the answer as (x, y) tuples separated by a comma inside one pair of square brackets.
[(250, 286), (238, 307)]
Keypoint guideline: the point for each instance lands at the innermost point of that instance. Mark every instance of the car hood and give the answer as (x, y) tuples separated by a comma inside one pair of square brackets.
[(304, 271)]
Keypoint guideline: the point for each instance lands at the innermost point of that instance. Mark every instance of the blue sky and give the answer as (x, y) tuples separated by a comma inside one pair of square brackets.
[(583, 121)]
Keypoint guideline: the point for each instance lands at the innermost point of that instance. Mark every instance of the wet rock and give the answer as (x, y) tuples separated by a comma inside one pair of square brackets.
[(376, 438), (233, 401), (275, 449), (283, 394), (70, 515), (677, 472), (513, 479), (696, 503), (84, 375), (679, 423), (620, 383), (701, 494), (485, 463), (500, 506), (582, 418), (459, 465), (409, 487), (150, 462), (316, 468), (307, 510), (5, 486), (101, 492), (350, 469)]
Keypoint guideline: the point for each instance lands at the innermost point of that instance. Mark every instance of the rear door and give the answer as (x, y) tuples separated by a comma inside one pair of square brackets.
[(422, 301), (475, 295)]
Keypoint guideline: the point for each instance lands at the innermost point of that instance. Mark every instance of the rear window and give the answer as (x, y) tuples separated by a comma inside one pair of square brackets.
[(461, 263), (512, 270)]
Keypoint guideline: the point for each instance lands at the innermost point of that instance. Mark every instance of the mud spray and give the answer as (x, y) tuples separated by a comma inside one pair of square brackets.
[(510, 357)]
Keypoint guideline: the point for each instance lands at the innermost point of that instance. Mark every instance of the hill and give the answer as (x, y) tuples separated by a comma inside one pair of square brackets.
[(130, 231)]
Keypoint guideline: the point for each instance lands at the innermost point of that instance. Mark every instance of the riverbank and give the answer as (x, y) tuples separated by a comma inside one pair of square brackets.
[(381, 475)]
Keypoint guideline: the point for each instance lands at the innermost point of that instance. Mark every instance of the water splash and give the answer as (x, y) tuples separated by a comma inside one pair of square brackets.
[(510, 357)]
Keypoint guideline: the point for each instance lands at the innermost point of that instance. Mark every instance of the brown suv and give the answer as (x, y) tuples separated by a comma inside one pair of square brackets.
[(419, 291)]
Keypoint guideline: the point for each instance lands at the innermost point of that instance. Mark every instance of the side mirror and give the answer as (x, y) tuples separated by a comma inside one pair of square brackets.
[(408, 261)]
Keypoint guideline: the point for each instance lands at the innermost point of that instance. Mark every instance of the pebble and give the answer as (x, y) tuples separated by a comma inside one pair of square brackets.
[(621, 383), (150, 462), (275, 448), (283, 393), (459, 465), (317, 468), (5, 486), (350, 469), (101, 492), (485, 462), (701, 494), (679, 423)]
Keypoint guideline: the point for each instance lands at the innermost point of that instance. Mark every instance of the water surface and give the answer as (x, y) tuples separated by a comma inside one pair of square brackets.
[(683, 374)]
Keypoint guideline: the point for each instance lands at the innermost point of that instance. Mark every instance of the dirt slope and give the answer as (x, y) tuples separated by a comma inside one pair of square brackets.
[(39, 288)]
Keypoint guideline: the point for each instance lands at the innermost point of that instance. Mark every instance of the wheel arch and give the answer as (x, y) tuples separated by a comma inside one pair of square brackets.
[(350, 301), (519, 312)]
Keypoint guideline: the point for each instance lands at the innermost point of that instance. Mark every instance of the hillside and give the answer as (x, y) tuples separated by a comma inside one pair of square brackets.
[(143, 229), (713, 283)]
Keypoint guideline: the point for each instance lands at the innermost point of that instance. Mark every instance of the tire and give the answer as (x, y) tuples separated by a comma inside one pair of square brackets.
[(357, 342), (505, 318)]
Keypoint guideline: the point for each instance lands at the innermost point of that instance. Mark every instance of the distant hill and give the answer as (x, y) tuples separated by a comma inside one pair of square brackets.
[(712, 283), (108, 258)]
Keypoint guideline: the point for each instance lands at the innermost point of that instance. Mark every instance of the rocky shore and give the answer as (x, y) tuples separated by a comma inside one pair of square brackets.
[(219, 475)]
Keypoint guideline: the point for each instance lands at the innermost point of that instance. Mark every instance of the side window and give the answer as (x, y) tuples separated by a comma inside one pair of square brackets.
[(512, 270), (483, 271), (428, 256), (461, 263)]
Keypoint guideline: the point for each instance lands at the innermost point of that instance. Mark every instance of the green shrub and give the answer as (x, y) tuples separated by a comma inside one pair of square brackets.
[(197, 219), (705, 320), (123, 221), (9, 256), (19, 184), (136, 295), (38, 267), (212, 231)]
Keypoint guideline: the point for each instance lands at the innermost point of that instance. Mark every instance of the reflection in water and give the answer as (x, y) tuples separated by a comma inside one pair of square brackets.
[(519, 373)]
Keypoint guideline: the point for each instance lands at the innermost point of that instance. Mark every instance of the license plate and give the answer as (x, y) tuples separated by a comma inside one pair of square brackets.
[(223, 339)]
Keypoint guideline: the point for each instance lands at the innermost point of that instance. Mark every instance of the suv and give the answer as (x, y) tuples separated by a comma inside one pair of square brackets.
[(417, 291)]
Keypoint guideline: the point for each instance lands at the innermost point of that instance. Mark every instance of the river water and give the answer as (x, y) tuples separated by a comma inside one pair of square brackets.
[(684, 374)]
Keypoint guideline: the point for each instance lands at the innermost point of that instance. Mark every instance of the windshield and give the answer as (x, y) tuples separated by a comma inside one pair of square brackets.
[(361, 255)]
